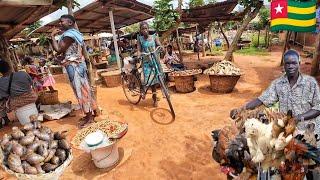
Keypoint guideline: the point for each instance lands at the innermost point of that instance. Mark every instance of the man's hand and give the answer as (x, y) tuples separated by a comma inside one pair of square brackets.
[(235, 112), (55, 32)]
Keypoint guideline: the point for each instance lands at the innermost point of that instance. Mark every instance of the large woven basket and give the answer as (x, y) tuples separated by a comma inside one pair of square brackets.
[(184, 84), (49, 97), (54, 175), (112, 78), (223, 83)]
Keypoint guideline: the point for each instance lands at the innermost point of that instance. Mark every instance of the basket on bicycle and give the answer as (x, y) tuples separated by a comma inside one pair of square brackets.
[(184, 80), (48, 97), (112, 78)]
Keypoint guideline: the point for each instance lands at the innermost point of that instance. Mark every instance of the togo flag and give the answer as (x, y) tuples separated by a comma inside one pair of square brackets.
[(293, 15)]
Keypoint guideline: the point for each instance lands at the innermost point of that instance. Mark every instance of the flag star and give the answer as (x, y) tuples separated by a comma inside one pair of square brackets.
[(278, 9)]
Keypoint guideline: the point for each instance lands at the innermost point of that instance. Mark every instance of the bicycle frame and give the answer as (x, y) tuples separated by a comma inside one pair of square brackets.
[(155, 69)]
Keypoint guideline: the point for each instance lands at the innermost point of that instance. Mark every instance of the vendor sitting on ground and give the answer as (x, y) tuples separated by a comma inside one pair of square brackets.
[(15, 91), (172, 61), (294, 91)]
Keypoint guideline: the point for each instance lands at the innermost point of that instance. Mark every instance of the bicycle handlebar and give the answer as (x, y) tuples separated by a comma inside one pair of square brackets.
[(146, 54)]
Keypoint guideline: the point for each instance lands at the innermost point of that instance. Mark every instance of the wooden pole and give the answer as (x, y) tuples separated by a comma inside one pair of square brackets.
[(179, 45), (113, 29), (197, 43), (203, 45)]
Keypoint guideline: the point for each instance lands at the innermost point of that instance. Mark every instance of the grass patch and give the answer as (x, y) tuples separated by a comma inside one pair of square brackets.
[(253, 51)]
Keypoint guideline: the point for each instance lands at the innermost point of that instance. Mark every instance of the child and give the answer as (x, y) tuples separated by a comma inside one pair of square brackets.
[(33, 71), (47, 78)]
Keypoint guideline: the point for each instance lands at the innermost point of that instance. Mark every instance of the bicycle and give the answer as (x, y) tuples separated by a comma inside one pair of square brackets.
[(134, 88)]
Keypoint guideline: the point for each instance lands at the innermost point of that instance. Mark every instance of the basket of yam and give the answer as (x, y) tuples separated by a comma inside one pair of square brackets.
[(224, 76), (35, 152), (184, 80)]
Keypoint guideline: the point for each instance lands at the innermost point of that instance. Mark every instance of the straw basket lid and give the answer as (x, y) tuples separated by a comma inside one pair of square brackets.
[(189, 72), (113, 129), (111, 73), (53, 175)]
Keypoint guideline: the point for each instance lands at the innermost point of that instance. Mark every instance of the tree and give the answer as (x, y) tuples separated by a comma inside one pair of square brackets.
[(31, 28), (195, 3), (264, 15), (132, 28), (252, 8), (165, 16)]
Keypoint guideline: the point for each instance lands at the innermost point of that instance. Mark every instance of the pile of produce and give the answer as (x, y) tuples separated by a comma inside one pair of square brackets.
[(165, 68), (223, 68), (186, 72), (113, 129), (34, 149)]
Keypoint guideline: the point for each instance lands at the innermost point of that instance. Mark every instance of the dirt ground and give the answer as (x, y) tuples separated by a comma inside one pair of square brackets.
[(156, 147)]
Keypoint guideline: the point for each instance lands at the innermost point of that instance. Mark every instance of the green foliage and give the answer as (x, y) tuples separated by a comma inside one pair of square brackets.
[(165, 16), (43, 40), (28, 30), (254, 41), (249, 3), (264, 15), (64, 3), (253, 51), (132, 28), (195, 3)]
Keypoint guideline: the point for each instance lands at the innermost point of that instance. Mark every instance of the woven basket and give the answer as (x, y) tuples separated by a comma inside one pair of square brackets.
[(56, 70), (54, 175), (223, 83), (105, 126), (112, 78), (49, 97), (184, 84)]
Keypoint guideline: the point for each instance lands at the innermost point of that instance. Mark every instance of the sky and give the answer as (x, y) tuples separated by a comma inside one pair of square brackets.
[(55, 15)]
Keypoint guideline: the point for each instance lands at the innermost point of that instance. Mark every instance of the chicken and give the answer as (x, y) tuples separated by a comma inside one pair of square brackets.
[(231, 151)]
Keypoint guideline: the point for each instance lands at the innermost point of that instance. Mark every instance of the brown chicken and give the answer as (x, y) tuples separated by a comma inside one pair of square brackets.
[(231, 151)]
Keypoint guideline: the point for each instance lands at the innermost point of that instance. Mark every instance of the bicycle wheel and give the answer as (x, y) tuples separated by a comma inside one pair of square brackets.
[(165, 92), (131, 86)]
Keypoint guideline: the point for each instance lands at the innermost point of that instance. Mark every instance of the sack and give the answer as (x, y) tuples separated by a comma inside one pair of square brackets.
[(127, 66)]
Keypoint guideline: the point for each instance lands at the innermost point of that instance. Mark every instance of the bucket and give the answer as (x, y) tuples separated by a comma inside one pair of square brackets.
[(25, 112), (105, 157)]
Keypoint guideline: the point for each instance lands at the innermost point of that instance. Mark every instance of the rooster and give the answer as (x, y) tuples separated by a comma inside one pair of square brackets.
[(231, 151)]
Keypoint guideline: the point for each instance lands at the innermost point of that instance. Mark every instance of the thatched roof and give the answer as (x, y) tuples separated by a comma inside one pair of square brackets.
[(94, 17), (16, 15)]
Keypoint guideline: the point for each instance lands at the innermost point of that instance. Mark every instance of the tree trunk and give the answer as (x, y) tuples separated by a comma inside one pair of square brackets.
[(258, 38), (6, 54), (179, 45), (224, 35), (316, 57), (210, 37), (251, 15), (266, 38), (285, 46)]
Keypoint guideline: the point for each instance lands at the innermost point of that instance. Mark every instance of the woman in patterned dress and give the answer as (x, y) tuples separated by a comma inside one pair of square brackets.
[(148, 43)]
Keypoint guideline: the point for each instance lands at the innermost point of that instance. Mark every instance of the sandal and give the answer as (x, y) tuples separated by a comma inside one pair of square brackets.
[(82, 122)]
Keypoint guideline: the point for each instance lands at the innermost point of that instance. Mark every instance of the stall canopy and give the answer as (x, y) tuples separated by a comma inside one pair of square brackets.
[(94, 17), (16, 15), (204, 15)]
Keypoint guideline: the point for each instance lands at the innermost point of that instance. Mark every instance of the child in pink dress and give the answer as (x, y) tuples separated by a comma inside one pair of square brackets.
[(47, 78)]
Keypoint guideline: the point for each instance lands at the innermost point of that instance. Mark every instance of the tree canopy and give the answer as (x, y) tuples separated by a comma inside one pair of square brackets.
[(165, 16)]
